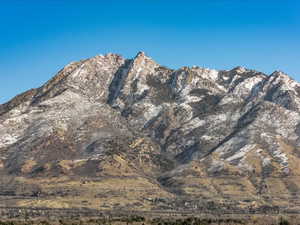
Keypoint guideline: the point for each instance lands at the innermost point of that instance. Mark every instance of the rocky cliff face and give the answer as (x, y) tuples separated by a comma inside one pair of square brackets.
[(109, 132)]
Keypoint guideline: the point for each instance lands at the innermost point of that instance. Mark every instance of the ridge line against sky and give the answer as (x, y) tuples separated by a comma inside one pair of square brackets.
[(38, 38)]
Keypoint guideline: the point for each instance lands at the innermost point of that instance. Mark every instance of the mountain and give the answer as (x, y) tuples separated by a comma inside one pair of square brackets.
[(115, 133)]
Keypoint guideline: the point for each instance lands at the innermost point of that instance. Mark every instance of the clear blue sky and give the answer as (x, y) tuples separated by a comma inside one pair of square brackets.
[(38, 37)]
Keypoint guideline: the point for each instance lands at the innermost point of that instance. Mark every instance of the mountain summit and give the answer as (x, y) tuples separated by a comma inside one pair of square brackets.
[(115, 133)]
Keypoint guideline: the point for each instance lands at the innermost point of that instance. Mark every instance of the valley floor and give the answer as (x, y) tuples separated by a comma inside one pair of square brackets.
[(42, 217)]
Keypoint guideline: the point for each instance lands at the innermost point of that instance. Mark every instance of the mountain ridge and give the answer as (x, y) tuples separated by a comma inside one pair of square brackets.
[(181, 138)]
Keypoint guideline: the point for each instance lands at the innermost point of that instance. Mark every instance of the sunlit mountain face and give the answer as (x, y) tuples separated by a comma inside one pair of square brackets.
[(115, 133)]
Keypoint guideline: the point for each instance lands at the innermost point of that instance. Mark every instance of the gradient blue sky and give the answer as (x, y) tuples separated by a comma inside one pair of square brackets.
[(39, 37)]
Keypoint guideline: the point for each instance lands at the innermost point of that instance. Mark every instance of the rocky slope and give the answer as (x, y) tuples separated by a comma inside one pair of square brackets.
[(115, 133)]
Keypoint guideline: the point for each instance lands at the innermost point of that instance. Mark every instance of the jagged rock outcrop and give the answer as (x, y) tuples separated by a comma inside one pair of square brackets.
[(131, 133)]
